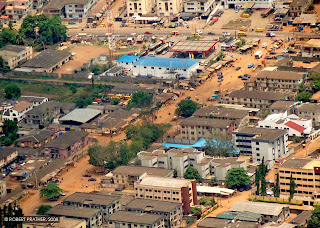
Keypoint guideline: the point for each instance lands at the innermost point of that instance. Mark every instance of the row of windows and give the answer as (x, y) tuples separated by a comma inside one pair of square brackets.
[(298, 173)]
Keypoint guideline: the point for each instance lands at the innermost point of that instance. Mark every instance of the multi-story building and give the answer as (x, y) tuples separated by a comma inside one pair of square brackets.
[(66, 144), (92, 216), (196, 128), (108, 204), (241, 117), (35, 100), (37, 4), (8, 156), (170, 210), (17, 111), (14, 55), (17, 9), (127, 219), (166, 8), (63, 223), (271, 212), (296, 126), (37, 140), (262, 142), (197, 6), (69, 9), (305, 173), (309, 110), (253, 99), (42, 115), (214, 222), (168, 189), (140, 7), (302, 38), (221, 166), (297, 7), (276, 81), (259, 4), (283, 106), (128, 175), (311, 48)]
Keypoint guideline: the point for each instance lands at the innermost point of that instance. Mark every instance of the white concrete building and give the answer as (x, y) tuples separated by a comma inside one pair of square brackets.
[(17, 9), (311, 48), (139, 7), (259, 4), (166, 8), (165, 67), (127, 61), (295, 125), (262, 142), (221, 166), (197, 6), (16, 112)]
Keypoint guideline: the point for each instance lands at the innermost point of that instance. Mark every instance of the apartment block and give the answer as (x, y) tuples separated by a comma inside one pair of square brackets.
[(297, 7), (197, 6), (168, 190), (253, 99), (276, 81), (63, 223), (140, 7), (262, 142), (37, 4), (172, 212), (128, 175), (108, 204), (283, 106), (309, 110), (166, 8), (14, 55), (221, 166), (17, 9), (305, 173), (127, 219), (177, 159), (16, 111), (259, 4), (197, 128)]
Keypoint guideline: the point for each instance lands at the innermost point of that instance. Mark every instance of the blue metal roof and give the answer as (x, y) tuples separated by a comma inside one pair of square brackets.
[(166, 62), (127, 58)]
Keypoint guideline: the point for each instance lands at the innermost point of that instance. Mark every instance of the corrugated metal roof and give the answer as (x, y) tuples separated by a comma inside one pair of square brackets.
[(127, 58), (166, 62), (81, 115)]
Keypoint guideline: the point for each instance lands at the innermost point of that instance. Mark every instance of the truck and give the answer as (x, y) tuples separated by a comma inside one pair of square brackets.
[(258, 54)]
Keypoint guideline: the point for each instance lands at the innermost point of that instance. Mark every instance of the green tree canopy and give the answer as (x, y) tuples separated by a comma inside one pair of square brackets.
[(140, 99), (303, 96), (213, 181), (192, 173), (314, 221), (186, 108), (8, 36), (292, 188), (52, 190), (276, 187), (42, 209), (237, 178), (115, 101), (3, 68), (9, 129), (12, 91)]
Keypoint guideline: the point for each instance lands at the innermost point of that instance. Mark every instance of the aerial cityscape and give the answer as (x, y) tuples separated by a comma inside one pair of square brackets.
[(159, 113)]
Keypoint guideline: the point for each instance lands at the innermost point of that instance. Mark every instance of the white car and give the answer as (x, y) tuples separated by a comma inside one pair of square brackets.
[(285, 51), (199, 31), (226, 34), (264, 45)]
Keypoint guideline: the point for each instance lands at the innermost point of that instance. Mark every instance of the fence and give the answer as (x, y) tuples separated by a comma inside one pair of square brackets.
[(295, 69), (30, 74), (271, 199)]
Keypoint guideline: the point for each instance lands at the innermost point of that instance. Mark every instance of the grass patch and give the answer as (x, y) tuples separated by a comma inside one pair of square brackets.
[(237, 24)]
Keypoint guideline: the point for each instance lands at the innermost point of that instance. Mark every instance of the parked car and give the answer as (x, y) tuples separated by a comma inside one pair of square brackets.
[(188, 98), (164, 52), (92, 179), (87, 175), (211, 23), (219, 74), (250, 65), (264, 45), (247, 75), (240, 76), (226, 34), (220, 79), (272, 53), (244, 78), (199, 32), (147, 32), (292, 52), (268, 57), (62, 194), (53, 199), (238, 68)]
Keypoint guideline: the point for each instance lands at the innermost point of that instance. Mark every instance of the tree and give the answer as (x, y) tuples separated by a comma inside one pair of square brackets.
[(218, 147), (12, 91), (9, 129), (192, 173), (263, 172), (140, 99), (186, 108), (42, 209), (276, 187), (196, 211), (257, 180), (52, 190), (213, 181), (115, 101), (8, 36), (292, 188), (314, 221), (303, 96), (237, 178), (95, 69), (3, 68)]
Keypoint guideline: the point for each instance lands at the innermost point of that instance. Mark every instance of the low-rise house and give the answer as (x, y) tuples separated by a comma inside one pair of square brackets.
[(214, 222), (196, 128), (311, 48), (14, 55), (36, 140), (35, 100), (170, 210), (271, 212), (47, 61), (66, 144), (276, 81), (66, 108), (169, 190), (131, 219), (128, 175), (92, 216), (27, 170), (297, 7), (109, 204), (42, 115), (296, 126), (7, 156), (262, 142), (241, 215), (221, 166), (254, 99), (17, 9), (17, 111), (302, 38), (63, 223)]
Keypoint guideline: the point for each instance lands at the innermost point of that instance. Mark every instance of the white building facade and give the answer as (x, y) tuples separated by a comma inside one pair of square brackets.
[(166, 8), (259, 4), (17, 111), (139, 7), (197, 6), (77, 11)]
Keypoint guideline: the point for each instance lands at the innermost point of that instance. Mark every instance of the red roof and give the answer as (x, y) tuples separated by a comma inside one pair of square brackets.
[(295, 126)]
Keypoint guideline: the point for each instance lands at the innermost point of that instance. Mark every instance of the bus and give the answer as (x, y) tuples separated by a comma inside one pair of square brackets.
[(267, 12), (161, 48), (142, 53), (155, 45), (242, 34)]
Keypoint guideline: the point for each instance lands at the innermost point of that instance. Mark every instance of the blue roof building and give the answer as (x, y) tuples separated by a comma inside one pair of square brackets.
[(127, 59), (166, 62)]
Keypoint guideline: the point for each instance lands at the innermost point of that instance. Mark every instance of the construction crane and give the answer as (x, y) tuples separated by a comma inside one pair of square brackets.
[(111, 37)]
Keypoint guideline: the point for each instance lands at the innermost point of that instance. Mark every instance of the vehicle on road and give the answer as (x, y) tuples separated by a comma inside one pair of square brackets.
[(211, 33), (53, 199), (92, 179), (240, 76), (226, 34), (219, 74), (238, 68), (250, 65), (199, 32), (242, 33), (211, 23), (270, 34), (273, 53), (147, 32), (264, 45), (292, 52), (259, 29), (175, 33), (87, 175)]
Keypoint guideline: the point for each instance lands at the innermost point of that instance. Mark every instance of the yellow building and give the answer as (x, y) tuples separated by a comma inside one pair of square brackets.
[(168, 8), (305, 173), (14, 55), (139, 7)]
